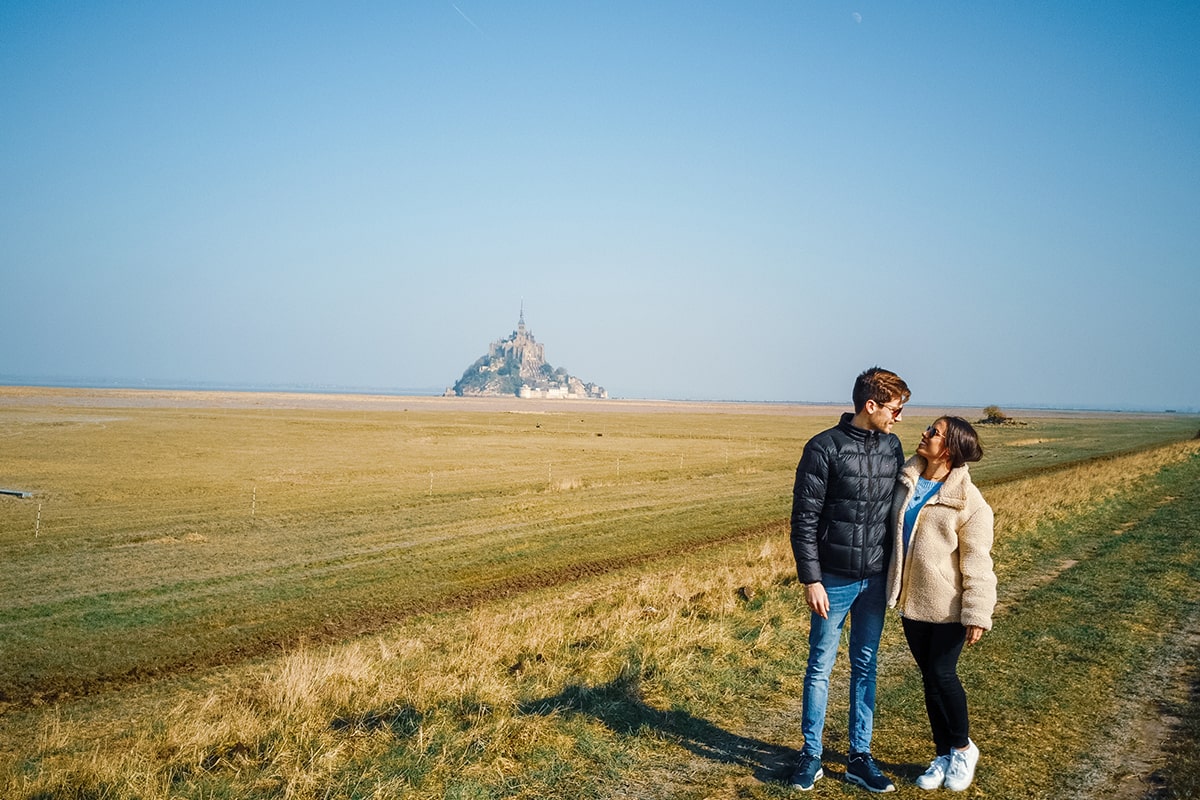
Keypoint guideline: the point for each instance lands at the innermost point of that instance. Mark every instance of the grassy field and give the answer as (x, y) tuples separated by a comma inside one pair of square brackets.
[(429, 599)]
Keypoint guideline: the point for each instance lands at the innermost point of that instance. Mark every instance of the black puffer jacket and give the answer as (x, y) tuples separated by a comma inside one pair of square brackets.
[(841, 502)]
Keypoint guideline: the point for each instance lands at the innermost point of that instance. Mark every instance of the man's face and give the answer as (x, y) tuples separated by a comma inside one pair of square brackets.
[(882, 416)]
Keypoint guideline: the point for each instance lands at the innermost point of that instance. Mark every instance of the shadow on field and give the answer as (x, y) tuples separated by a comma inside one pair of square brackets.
[(618, 705)]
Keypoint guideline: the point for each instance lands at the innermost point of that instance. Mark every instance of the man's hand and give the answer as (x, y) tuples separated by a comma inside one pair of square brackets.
[(817, 599)]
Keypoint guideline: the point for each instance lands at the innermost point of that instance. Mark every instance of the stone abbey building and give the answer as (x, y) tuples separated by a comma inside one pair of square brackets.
[(517, 366)]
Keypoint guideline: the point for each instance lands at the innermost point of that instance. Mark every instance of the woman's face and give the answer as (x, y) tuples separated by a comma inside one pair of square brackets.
[(933, 443)]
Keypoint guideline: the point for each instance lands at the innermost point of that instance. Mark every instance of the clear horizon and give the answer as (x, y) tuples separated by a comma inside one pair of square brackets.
[(435, 391), (728, 202)]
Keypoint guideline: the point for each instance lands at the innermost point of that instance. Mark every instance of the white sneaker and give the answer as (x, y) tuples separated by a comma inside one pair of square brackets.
[(933, 777), (962, 767)]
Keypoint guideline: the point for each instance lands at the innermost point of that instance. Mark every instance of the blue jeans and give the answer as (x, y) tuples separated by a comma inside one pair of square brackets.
[(863, 603)]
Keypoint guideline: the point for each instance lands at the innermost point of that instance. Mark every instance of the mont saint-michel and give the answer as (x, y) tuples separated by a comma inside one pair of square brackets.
[(517, 366)]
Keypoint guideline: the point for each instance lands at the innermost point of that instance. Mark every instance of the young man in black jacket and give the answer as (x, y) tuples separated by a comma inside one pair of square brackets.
[(840, 507)]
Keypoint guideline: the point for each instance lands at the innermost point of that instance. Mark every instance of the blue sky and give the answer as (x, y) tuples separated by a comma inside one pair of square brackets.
[(742, 201)]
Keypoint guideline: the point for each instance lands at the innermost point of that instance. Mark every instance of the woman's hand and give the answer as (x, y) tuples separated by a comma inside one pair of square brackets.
[(974, 634)]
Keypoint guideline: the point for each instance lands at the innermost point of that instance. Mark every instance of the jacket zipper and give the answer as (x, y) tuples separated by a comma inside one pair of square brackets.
[(872, 438)]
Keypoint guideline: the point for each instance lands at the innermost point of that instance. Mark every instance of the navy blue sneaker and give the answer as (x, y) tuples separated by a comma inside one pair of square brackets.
[(808, 771), (862, 771)]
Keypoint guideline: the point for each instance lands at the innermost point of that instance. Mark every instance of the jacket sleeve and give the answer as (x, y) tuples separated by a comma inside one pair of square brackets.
[(808, 500), (975, 564)]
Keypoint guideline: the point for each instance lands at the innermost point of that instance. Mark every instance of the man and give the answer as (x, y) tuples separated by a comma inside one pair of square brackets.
[(840, 507)]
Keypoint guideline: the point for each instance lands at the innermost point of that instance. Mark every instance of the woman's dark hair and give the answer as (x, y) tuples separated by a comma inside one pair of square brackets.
[(962, 442)]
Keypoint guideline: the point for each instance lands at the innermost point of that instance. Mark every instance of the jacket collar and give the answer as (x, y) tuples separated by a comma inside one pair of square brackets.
[(954, 489), (850, 429)]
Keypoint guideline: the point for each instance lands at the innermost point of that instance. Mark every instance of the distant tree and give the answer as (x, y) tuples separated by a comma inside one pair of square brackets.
[(992, 415)]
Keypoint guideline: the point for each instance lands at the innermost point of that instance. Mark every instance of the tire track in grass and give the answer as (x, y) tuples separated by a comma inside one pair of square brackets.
[(1012, 591), (26, 690)]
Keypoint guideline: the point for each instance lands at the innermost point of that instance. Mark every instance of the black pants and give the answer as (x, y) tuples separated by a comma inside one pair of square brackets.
[(936, 647)]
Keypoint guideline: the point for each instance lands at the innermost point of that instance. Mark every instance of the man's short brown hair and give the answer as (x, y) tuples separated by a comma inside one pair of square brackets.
[(880, 385)]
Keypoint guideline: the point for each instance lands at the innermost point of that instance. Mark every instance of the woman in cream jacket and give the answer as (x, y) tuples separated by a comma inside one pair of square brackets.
[(940, 577)]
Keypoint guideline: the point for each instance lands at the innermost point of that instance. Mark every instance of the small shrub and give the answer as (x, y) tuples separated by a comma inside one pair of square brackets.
[(992, 415)]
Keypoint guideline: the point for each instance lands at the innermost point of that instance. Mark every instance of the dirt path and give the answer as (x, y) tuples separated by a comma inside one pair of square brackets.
[(1134, 758)]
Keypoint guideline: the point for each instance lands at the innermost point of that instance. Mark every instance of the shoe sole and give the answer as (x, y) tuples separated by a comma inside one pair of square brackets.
[(820, 774), (857, 781)]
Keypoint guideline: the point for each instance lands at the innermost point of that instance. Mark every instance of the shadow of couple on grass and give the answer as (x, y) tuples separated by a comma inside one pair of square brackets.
[(619, 706)]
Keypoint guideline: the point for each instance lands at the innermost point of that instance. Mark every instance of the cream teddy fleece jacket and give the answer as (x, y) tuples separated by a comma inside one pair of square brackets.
[(947, 575)]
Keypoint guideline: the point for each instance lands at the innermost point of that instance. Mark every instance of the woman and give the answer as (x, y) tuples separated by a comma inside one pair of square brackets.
[(940, 577)]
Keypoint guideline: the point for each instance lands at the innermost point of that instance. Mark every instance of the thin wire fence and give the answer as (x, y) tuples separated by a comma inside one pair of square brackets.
[(159, 508)]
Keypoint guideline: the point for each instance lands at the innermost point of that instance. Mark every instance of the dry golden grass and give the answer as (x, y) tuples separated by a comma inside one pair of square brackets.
[(291, 724), (1023, 504)]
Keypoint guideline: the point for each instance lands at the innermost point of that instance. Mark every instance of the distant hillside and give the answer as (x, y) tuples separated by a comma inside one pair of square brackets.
[(517, 366)]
